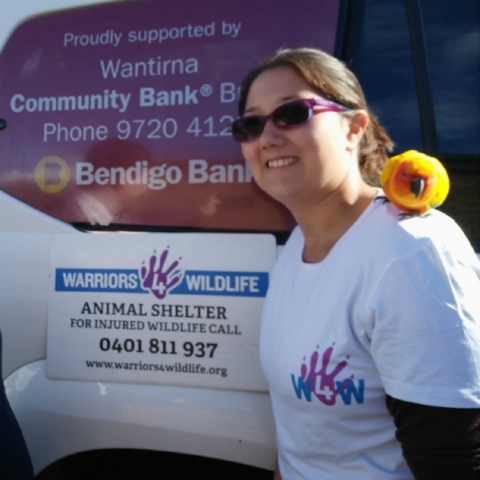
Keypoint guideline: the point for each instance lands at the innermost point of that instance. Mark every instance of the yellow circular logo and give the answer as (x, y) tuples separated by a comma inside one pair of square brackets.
[(52, 174)]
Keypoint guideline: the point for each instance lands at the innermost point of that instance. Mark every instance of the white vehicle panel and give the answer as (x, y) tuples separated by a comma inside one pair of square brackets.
[(60, 418)]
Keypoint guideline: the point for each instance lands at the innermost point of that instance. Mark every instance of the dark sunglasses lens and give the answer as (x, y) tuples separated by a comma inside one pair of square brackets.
[(291, 115), (248, 128)]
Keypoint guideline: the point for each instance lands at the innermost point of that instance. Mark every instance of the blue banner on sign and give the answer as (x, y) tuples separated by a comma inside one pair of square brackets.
[(194, 282)]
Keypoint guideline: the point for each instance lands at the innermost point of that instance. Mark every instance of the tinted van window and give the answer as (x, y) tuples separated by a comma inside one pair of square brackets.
[(452, 35), (445, 83), (386, 71)]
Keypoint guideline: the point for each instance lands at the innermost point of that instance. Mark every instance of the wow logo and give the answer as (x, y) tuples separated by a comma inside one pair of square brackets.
[(159, 278), (321, 380)]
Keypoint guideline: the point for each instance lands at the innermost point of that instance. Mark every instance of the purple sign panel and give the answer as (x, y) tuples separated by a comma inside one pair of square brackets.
[(118, 114)]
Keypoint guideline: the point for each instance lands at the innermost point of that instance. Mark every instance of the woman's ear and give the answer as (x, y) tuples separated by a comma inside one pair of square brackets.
[(358, 123)]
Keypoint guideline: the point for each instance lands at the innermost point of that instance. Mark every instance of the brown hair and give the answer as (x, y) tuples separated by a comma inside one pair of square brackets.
[(333, 81)]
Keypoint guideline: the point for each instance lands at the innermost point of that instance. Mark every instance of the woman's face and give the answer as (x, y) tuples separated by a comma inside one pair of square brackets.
[(304, 163)]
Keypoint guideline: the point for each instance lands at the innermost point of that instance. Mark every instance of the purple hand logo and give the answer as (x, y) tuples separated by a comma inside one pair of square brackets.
[(156, 280), (323, 383)]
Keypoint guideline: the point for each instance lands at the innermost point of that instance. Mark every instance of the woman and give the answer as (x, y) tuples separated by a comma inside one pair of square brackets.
[(370, 333)]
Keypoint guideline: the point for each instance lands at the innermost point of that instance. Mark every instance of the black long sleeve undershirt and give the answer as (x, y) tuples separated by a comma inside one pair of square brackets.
[(438, 443)]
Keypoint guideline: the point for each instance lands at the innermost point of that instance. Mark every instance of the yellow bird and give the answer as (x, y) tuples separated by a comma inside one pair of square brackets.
[(415, 182)]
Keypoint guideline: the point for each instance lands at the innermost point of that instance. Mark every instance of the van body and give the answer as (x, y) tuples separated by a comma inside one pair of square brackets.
[(137, 250)]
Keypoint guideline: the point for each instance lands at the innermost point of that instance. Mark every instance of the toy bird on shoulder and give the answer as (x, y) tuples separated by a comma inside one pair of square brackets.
[(415, 182)]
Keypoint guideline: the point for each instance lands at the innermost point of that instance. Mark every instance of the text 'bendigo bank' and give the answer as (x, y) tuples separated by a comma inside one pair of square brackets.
[(159, 176)]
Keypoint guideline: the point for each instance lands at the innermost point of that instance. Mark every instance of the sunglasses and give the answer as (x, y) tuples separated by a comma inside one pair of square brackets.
[(289, 115)]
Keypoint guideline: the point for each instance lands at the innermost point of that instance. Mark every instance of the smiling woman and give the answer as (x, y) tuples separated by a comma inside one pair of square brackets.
[(334, 157), (308, 161), (348, 303)]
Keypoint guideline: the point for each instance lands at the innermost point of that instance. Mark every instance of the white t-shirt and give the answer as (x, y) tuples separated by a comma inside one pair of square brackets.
[(394, 308)]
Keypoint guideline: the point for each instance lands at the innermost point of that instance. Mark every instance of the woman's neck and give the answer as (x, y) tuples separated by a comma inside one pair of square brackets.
[(324, 221)]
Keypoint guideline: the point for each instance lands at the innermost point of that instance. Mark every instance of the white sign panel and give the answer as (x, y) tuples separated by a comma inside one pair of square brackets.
[(178, 309)]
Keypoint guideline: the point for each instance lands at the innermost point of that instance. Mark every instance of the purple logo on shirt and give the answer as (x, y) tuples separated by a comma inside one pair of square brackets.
[(320, 379), (157, 277)]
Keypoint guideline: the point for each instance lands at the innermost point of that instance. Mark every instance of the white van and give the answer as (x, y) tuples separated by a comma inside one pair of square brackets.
[(136, 250)]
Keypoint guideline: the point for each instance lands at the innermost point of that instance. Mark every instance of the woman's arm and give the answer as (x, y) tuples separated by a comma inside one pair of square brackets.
[(277, 475), (438, 443)]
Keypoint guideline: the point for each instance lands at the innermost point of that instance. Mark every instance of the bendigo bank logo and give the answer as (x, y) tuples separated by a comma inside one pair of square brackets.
[(52, 174), (161, 276)]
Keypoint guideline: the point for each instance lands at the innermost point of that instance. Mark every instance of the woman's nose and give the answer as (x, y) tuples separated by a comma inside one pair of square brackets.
[(271, 135)]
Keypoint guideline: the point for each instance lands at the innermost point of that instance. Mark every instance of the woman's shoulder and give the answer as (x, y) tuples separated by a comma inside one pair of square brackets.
[(410, 230), (401, 233)]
